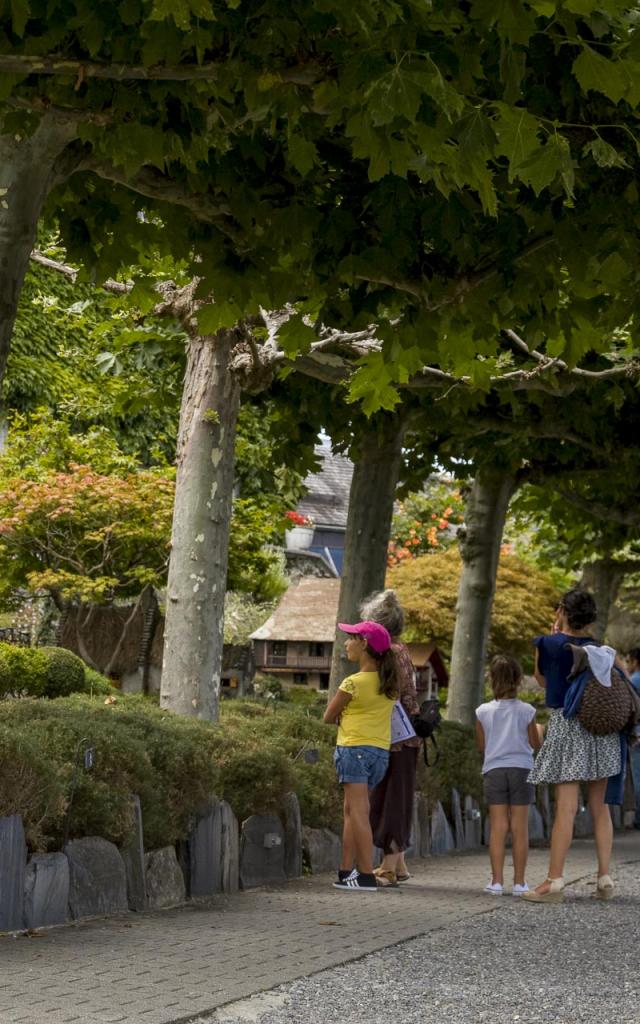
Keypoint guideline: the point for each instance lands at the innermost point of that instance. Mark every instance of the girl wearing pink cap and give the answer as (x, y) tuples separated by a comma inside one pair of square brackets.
[(362, 709)]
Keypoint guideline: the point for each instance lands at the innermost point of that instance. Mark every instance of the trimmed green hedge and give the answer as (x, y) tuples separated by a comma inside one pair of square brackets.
[(174, 763), (40, 672)]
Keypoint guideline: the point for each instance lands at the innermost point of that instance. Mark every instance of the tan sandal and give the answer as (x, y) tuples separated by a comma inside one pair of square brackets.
[(555, 894), (386, 879), (605, 888)]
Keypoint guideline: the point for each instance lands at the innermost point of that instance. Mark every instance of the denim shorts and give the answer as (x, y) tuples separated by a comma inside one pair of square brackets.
[(361, 764)]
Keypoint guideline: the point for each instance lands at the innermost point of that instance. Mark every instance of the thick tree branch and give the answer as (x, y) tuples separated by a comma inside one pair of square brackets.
[(553, 431), (155, 185), (117, 287), (626, 515), (22, 64), (60, 268), (460, 287), (551, 376), (629, 368)]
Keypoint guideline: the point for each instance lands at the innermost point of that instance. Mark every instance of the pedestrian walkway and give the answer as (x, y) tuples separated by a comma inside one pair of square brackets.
[(162, 968)]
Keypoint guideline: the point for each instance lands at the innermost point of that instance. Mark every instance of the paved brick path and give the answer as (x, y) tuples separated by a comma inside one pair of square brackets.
[(166, 967)]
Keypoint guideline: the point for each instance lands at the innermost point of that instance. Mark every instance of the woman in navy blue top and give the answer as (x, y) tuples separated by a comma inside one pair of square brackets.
[(571, 755)]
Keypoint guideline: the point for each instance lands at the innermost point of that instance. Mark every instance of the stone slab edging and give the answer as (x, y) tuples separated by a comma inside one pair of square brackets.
[(94, 878)]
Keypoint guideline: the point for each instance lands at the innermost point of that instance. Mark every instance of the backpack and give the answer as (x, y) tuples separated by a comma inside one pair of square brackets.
[(425, 723)]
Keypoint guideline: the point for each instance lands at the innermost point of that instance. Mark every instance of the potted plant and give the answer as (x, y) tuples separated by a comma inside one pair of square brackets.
[(299, 535)]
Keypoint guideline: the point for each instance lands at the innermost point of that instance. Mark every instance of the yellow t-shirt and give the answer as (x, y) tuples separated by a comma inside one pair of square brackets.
[(366, 719)]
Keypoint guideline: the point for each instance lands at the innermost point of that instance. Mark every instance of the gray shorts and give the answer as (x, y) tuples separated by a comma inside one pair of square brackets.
[(508, 786)]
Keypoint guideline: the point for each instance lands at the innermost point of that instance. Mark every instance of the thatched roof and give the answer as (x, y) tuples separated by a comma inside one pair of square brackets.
[(308, 611)]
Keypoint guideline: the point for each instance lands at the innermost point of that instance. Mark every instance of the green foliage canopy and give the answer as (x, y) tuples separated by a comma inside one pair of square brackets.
[(440, 169), (91, 360)]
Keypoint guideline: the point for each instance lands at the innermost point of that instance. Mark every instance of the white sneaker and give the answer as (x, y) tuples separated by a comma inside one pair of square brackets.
[(494, 888), (519, 889)]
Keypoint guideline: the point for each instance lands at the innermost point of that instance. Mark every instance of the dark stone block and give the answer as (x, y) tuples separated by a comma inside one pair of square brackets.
[(204, 851), (472, 823), (536, 826), (458, 823), (442, 840), (165, 881), (261, 851), (97, 878), (132, 852), (46, 890), (486, 832), (424, 826), (13, 861), (583, 823), (322, 849), (230, 862), (292, 836)]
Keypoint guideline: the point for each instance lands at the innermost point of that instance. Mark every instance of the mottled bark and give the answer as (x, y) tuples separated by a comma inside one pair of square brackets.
[(603, 578), (480, 548), (373, 489), (28, 169), (201, 523)]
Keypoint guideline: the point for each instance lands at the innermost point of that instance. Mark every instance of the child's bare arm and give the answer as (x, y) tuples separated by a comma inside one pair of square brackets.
[(335, 707), (480, 741), (534, 733)]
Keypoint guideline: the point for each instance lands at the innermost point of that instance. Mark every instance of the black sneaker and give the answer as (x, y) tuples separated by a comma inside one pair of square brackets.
[(357, 883)]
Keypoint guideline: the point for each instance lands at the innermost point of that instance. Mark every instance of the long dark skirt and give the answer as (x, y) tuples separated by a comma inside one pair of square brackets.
[(391, 802)]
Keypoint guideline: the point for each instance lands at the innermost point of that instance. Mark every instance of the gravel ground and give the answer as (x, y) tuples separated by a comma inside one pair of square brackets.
[(573, 963)]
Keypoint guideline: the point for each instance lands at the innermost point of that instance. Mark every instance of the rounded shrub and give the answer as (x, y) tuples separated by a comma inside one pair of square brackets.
[(23, 671), (65, 672), (39, 672), (96, 684)]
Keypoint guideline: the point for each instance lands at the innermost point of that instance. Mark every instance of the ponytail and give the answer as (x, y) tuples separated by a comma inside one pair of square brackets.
[(387, 670)]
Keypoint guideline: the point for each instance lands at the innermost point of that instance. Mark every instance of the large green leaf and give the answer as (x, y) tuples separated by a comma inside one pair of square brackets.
[(602, 75), (20, 13), (546, 163), (511, 18), (517, 132)]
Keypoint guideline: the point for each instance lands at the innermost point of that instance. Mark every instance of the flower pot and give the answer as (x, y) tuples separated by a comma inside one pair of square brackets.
[(299, 538)]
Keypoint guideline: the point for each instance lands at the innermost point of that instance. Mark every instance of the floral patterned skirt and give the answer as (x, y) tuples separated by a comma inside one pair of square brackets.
[(571, 754)]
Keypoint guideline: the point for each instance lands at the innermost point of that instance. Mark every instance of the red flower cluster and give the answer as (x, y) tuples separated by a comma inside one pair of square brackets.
[(297, 519)]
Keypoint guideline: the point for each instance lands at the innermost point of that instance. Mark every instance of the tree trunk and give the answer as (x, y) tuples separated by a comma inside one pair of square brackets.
[(603, 578), (373, 490), (28, 169), (480, 548), (201, 523)]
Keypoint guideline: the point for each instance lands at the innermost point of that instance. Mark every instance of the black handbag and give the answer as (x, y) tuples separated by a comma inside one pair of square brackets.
[(425, 723)]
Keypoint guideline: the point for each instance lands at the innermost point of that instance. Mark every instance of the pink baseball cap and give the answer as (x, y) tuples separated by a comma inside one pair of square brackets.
[(376, 635)]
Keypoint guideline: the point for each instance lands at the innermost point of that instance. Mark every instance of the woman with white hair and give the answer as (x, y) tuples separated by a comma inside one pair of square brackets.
[(391, 800)]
